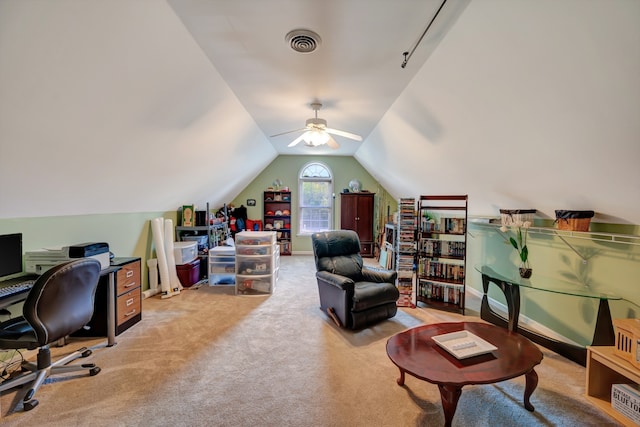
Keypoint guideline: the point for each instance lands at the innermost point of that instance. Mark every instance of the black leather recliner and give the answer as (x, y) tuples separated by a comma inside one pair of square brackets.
[(352, 294)]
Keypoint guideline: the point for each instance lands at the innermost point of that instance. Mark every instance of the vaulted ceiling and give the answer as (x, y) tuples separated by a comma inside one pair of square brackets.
[(355, 72), (138, 106)]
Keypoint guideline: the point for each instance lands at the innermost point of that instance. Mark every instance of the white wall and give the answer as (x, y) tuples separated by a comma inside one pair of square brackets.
[(109, 106), (524, 104)]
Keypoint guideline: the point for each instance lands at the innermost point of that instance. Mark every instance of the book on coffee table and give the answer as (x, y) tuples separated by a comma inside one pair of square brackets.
[(463, 344)]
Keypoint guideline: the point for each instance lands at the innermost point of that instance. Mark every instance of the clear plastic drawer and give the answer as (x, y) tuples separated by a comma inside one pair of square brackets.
[(254, 249), (255, 285), (254, 265), (255, 238), (222, 267)]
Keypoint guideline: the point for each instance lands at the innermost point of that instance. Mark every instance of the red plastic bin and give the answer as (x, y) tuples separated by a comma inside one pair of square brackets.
[(189, 274)]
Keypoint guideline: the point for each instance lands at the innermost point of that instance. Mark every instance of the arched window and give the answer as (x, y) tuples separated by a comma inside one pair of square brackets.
[(316, 198)]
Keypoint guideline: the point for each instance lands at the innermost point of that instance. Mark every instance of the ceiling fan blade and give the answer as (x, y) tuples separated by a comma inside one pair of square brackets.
[(332, 143), (289, 131), (295, 141), (345, 134)]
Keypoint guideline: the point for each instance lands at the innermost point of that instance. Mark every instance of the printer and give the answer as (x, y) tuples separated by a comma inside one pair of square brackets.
[(42, 260)]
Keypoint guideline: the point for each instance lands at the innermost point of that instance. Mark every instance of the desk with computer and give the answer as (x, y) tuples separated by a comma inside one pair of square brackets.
[(16, 281), (61, 293)]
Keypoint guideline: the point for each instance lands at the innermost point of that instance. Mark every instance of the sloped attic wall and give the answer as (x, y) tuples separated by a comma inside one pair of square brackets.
[(528, 104), (110, 106)]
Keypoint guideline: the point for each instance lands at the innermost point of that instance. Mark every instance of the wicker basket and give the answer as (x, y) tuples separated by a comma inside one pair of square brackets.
[(513, 216), (574, 220), (627, 339)]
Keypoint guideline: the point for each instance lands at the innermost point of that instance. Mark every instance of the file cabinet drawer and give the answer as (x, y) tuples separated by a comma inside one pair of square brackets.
[(128, 306), (128, 277)]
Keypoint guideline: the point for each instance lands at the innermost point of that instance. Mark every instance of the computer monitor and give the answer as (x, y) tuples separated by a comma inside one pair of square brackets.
[(10, 255)]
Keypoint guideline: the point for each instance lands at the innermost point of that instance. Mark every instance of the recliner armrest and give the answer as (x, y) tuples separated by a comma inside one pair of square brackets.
[(379, 275), (336, 280)]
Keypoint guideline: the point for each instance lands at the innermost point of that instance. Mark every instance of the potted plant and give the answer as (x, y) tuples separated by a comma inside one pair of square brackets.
[(520, 245)]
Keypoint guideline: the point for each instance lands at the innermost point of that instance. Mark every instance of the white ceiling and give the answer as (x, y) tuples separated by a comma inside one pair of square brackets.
[(355, 73), (527, 104)]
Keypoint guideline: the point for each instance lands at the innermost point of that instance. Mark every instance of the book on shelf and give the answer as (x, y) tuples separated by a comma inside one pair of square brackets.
[(434, 269), (440, 292), (625, 399)]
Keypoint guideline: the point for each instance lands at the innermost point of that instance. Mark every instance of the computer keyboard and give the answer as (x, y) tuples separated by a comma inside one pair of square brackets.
[(15, 289)]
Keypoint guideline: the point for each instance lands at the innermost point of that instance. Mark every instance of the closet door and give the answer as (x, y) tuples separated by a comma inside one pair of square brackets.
[(356, 213)]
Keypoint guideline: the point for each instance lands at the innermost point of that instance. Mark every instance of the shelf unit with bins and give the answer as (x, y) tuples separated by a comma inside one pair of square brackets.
[(405, 252), (257, 262), (441, 251), (277, 217), (215, 232)]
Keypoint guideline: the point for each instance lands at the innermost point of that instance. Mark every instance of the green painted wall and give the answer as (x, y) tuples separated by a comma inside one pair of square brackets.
[(287, 169), (128, 235), (611, 268)]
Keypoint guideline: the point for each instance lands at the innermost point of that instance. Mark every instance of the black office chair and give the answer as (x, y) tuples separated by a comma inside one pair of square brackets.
[(352, 294), (60, 302)]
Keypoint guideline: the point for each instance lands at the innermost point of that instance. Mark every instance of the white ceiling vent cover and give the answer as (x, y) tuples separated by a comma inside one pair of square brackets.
[(303, 41)]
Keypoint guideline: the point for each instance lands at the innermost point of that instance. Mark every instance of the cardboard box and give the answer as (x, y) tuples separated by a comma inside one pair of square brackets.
[(625, 398)]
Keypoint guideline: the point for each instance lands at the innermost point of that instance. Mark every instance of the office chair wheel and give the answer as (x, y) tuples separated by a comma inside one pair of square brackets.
[(86, 353), (30, 404), (94, 371)]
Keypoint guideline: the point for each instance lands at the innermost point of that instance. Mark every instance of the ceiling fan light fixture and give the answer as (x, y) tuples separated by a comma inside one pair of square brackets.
[(317, 133), (303, 41), (315, 137)]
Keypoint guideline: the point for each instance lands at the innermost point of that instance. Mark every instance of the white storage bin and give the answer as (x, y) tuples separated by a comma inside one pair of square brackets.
[(200, 240), (223, 251), (185, 252), (255, 238)]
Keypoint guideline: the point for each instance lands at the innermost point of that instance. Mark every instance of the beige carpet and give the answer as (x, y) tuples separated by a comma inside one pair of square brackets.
[(206, 359)]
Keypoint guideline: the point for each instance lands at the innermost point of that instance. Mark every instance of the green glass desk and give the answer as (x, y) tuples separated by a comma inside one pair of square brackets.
[(510, 286)]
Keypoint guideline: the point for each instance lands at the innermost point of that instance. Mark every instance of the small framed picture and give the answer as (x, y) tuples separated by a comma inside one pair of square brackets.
[(251, 202), (278, 224), (188, 216)]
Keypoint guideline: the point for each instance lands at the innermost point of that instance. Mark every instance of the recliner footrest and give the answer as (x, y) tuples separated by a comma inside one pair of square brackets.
[(367, 295)]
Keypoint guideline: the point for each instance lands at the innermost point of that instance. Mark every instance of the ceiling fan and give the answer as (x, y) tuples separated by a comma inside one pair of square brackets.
[(317, 133)]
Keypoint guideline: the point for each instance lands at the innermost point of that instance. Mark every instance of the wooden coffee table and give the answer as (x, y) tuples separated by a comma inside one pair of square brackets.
[(416, 353)]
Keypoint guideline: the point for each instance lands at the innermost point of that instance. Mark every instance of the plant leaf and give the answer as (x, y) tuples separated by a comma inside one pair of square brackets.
[(513, 242), (524, 254), (520, 236)]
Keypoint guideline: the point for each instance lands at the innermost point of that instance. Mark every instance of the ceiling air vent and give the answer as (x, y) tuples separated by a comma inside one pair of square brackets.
[(303, 41)]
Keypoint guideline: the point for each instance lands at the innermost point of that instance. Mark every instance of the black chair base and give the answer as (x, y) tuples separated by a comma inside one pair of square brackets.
[(35, 374)]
